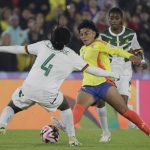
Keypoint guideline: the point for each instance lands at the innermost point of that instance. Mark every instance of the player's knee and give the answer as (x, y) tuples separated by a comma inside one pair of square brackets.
[(64, 105), (15, 108), (122, 109)]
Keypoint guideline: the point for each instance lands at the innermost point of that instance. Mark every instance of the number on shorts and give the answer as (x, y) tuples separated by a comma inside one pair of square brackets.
[(46, 66)]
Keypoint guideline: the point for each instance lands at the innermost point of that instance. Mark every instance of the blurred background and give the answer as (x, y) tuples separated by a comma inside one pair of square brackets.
[(28, 21)]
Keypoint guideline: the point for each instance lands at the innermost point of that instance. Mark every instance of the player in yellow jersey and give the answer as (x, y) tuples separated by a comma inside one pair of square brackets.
[(95, 89)]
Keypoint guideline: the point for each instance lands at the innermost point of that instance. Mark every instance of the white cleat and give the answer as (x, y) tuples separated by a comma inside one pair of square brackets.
[(105, 138), (58, 123), (2, 130), (73, 141)]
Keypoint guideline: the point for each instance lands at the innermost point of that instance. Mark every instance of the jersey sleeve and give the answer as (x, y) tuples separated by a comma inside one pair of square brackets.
[(136, 48), (13, 49), (114, 51), (33, 48), (135, 44), (78, 63)]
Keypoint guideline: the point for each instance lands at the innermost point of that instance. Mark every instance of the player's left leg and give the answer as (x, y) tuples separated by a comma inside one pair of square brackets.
[(102, 112), (117, 102), (124, 88), (126, 98), (84, 100)]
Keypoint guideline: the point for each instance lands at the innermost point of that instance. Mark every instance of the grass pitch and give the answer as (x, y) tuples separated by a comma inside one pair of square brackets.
[(30, 140)]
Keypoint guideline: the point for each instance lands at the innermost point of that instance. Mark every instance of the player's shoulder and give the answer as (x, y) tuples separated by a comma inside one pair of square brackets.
[(129, 31), (69, 51), (99, 42), (47, 43), (105, 34), (83, 49), (42, 43)]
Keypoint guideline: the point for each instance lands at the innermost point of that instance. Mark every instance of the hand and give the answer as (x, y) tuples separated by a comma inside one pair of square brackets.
[(135, 59), (143, 65)]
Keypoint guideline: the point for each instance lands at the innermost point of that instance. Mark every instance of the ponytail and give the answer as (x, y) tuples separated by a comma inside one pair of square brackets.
[(60, 37)]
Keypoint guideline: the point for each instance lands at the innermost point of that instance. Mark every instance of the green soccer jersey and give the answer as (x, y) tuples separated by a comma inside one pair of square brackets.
[(127, 39)]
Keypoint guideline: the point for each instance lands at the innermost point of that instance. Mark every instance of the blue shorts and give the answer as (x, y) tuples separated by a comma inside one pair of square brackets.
[(99, 92)]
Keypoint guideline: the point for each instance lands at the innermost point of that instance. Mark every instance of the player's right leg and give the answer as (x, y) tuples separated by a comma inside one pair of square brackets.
[(84, 100), (66, 124), (6, 115)]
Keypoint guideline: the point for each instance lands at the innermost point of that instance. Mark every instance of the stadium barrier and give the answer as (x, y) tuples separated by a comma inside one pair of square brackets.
[(35, 117)]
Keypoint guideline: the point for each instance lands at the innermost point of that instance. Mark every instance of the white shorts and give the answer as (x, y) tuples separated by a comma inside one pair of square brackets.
[(24, 98), (124, 85)]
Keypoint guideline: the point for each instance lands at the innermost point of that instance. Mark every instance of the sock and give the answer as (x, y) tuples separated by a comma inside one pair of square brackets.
[(78, 111), (133, 116), (6, 116), (103, 119), (131, 125), (67, 118)]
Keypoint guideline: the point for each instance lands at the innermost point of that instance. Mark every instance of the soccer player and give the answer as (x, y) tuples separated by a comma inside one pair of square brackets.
[(119, 36), (54, 62), (95, 89)]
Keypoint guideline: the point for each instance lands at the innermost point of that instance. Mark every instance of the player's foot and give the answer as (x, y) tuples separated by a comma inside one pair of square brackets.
[(2, 130), (105, 138), (58, 123), (73, 141)]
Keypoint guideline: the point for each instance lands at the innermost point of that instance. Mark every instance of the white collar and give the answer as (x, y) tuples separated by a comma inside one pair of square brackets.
[(123, 30)]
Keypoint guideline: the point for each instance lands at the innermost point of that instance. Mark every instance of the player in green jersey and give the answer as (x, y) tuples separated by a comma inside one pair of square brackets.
[(119, 36)]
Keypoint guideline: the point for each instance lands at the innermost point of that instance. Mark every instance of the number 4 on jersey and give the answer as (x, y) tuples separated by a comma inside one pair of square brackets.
[(46, 66)]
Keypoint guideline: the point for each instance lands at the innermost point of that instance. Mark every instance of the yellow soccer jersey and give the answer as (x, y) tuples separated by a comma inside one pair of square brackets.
[(97, 54)]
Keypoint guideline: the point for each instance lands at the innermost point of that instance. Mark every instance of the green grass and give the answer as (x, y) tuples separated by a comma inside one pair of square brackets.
[(30, 140)]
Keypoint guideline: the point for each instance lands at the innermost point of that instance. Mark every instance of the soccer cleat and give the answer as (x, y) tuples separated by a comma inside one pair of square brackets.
[(73, 141), (58, 123), (105, 138), (2, 130)]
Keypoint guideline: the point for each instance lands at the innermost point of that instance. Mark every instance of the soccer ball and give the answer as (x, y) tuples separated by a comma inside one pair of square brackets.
[(49, 134)]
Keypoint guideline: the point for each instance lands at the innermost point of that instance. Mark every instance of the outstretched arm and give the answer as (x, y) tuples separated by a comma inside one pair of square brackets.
[(100, 72), (83, 66), (120, 52), (14, 49)]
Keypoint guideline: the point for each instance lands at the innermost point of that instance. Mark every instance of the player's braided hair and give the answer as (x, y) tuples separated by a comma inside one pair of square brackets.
[(60, 37), (90, 25)]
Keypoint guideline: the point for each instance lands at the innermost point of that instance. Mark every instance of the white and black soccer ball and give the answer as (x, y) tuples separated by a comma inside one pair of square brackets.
[(49, 134)]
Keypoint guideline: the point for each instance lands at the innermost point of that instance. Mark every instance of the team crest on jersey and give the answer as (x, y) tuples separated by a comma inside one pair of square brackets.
[(117, 42), (127, 41)]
